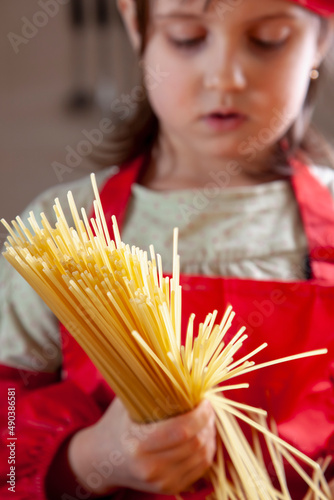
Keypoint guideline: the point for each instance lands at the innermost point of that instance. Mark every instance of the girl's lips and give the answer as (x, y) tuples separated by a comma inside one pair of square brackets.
[(221, 122)]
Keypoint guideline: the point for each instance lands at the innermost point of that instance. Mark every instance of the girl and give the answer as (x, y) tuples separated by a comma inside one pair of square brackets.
[(219, 149)]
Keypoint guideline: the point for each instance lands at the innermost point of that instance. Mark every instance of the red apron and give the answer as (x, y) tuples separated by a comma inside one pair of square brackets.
[(292, 317)]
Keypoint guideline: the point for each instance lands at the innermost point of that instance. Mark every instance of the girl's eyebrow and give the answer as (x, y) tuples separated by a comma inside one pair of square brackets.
[(278, 15), (190, 16)]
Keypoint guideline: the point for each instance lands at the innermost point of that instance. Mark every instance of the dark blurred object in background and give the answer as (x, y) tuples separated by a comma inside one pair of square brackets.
[(80, 96), (103, 14)]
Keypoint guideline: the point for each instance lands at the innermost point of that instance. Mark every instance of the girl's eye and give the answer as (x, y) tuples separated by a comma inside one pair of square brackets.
[(268, 45), (187, 43)]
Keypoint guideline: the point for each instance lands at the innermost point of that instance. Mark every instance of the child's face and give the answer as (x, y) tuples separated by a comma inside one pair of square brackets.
[(254, 57)]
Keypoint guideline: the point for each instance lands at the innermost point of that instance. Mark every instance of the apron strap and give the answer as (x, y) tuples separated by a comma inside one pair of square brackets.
[(116, 192), (317, 211)]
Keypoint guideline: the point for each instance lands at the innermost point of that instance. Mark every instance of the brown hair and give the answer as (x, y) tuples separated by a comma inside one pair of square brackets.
[(138, 134)]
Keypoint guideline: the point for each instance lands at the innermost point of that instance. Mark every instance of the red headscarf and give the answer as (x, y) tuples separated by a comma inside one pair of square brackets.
[(323, 7)]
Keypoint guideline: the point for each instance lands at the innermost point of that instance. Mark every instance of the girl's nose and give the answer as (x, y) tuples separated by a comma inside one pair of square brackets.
[(225, 76)]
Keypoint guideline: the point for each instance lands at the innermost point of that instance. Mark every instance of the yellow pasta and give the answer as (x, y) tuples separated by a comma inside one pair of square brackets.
[(126, 315)]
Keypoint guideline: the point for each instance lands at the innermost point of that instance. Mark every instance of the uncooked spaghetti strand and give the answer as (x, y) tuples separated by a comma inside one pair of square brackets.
[(256, 446), (133, 347), (224, 357), (157, 360), (26, 231), (88, 229), (10, 245), (112, 316), (165, 290), (104, 255), (62, 223), (169, 329), (98, 221), (160, 339), (224, 388), (182, 378), (222, 479), (50, 233), (317, 352), (75, 215), (302, 473), (152, 334), (178, 313), (238, 454), (222, 377), (322, 483), (100, 213), (209, 339), (119, 296), (35, 227), (118, 240), (226, 321), (128, 322), (19, 232), (145, 274), (107, 322), (157, 317), (222, 401), (322, 478), (189, 341), (176, 272), (277, 439), (154, 266), (263, 482), (161, 279), (218, 367), (100, 243), (250, 355), (277, 463), (222, 350), (225, 437), (129, 264)]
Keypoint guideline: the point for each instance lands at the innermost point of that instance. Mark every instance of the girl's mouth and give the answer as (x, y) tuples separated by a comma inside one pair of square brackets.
[(224, 122)]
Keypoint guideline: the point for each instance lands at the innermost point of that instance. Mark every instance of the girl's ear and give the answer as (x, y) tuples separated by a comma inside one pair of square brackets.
[(127, 9), (325, 40)]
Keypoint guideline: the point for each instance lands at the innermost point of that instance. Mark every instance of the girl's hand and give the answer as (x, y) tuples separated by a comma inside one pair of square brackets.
[(165, 457)]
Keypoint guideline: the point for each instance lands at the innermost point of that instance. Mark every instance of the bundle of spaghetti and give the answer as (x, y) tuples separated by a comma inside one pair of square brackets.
[(126, 315)]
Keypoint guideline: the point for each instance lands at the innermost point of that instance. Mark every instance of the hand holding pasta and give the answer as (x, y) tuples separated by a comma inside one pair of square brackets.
[(127, 317), (164, 457)]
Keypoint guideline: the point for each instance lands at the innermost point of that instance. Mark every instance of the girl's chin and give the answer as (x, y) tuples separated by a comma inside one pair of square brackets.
[(221, 153), (239, 150)]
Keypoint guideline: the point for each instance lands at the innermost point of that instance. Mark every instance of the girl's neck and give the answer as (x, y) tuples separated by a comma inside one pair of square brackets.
[(168, 170)]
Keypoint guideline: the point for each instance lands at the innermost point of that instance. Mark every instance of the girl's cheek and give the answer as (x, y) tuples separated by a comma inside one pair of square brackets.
[(175, 89), (165, 102)]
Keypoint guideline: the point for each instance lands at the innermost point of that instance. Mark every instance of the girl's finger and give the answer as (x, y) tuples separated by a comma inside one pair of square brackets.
[(196, 471), (175, 431), (179, 454), (184, 474)]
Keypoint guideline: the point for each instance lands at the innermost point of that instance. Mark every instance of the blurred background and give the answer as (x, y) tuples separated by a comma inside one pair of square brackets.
[(63, 63)]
